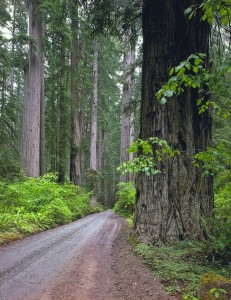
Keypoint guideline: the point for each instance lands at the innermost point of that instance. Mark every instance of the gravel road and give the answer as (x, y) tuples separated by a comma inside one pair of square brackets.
[(77, 261)]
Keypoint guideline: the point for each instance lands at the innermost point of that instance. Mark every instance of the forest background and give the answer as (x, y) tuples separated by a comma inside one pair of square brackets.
[(70, 108)]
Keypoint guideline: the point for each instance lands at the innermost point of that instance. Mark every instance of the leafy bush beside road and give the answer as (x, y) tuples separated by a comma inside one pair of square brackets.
[(40, 203), (125, 199)]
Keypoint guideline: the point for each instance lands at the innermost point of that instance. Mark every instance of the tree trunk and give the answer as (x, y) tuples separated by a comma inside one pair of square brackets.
[(173, 205), (93, 147), (76, 135), (42, 125), (32, 102), (63, 120), (100, 149), (127, 106)]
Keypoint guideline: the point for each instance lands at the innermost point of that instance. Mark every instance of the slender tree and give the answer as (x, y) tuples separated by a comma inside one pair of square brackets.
[(76, 168), (174, 204), (127, 104), (93, 143), (62, 115)]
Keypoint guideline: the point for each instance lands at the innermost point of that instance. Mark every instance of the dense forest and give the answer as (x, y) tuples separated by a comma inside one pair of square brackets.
[(120, 101)]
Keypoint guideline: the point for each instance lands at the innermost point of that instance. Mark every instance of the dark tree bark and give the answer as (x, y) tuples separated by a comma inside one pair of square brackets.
[(173, 205), (76, 134)]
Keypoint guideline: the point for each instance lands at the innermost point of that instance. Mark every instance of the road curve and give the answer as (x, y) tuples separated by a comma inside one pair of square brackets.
[(60, 263)]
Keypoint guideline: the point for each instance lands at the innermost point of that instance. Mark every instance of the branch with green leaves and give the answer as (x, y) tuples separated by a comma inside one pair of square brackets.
[(215, 159), (153, 151), (190, 73), (218, 11)]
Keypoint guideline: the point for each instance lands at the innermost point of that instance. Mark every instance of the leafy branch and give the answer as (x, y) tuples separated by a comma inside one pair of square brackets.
[(189, 73), (153, 151)]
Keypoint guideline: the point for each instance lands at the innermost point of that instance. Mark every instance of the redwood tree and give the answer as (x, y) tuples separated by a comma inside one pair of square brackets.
[(126, 137), (31, 143), (93, 142), (174, 204), (76, 168)]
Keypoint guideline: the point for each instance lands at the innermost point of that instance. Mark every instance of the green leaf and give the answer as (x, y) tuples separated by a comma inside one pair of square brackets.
[(188, 10), (195, 69), (163, 100), (197, 61), (168, 93)]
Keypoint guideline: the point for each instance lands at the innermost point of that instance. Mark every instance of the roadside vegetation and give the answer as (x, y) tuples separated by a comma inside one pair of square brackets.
[(35, 204), (125, 201), (182, 266)]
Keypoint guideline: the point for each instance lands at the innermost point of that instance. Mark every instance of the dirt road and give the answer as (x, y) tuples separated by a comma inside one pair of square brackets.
[(89, 259)]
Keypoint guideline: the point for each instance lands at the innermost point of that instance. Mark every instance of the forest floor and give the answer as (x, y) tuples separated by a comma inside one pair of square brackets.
[(89, 259)]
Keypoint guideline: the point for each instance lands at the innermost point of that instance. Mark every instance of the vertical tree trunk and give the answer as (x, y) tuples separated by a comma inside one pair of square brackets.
[(127, 106), (12, 54), (62, 121), (93, 147), (42, 125), (32, 102), (100, 149), (76, 134), (173, 205)]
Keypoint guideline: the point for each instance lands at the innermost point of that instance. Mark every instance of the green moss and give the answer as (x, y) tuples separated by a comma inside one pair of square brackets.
[(210, 283)]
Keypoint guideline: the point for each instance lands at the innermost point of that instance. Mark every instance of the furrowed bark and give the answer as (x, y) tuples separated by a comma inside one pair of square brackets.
[(175, 204)]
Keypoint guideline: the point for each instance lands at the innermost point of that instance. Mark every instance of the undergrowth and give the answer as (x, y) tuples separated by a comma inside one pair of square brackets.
[(180, 266), (125, 199), (37, 204)]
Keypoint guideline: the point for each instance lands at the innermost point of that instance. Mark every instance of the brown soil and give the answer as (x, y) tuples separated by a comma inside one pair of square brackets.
[(89, 259), (109, 271)]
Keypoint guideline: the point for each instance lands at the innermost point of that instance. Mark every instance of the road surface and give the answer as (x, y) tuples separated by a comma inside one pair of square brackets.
[(73, 262)]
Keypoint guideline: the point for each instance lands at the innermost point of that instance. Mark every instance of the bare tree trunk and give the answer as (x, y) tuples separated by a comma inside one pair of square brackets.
[(127, 106), (173, 205), (100, 149), (42, 125), (12, 54), (32, 103), (53, 116), (76, 135), (62, 120), (93, 147)]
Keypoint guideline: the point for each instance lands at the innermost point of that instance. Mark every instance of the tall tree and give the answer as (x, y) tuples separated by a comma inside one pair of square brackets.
[(127, 104), (32, 102), (62, 162), (172, 205), (93, 144), (76, 168)]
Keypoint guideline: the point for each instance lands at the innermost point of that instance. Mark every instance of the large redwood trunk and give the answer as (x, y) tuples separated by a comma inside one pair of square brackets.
[(173, 205), (32, 103)]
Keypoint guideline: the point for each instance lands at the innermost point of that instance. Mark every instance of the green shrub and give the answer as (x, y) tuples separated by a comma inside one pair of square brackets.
[(125, 199), (39, 203), (57, 212), (221, 240)]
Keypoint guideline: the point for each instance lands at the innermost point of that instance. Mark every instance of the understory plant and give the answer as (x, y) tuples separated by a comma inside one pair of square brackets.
[(40, 203), (181, 266), (125, 199)]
